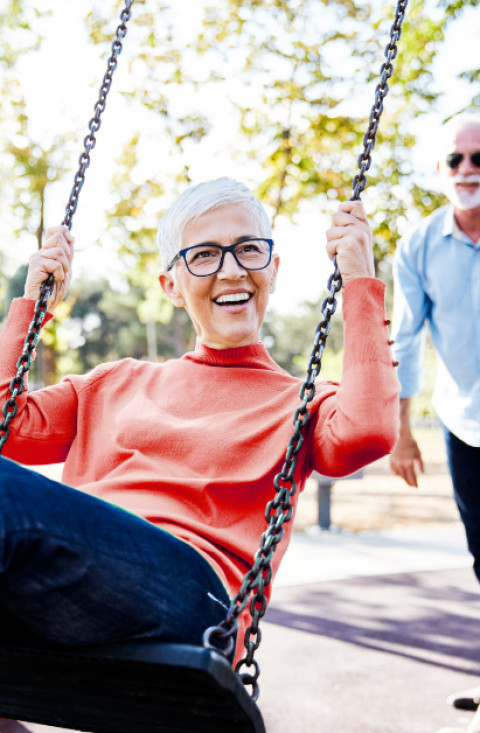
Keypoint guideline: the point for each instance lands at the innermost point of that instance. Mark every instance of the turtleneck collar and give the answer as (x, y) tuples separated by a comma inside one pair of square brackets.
[(254, 356)]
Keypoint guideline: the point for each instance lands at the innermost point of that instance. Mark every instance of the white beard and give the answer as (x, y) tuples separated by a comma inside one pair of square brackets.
[(463, 200)]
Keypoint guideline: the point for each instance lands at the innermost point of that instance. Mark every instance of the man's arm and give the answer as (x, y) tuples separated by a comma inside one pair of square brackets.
[(411, 306), (406, 458)]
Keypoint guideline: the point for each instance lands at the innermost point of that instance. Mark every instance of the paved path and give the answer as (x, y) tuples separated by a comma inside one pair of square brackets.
[(370, 633)]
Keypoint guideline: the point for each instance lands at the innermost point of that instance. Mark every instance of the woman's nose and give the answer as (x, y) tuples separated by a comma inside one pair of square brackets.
[(230, 267)]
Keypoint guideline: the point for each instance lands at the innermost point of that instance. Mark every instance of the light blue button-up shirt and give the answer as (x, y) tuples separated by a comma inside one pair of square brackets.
[(437, 280)]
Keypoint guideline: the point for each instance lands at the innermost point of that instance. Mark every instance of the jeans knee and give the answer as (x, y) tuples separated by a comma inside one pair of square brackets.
[(19, 495), (7, 482), (8, 472)]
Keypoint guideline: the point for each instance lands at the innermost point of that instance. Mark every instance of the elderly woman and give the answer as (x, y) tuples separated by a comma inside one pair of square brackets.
[(168, 467)]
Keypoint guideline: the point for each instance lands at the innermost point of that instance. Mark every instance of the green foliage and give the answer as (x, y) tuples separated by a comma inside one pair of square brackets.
[(293, 127), (28, 165), (315, 63), (101, 324), (31, 169), (17, 21), (453, 8), (289, 339)]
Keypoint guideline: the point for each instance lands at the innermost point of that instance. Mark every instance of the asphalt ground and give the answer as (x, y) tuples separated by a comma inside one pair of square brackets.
[(369, 648)]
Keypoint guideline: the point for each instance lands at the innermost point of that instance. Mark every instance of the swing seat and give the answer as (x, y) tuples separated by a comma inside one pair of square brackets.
[(128, 687)]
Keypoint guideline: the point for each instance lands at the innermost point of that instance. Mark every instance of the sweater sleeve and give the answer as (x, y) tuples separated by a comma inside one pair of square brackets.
[(359, 423), (45, 424)]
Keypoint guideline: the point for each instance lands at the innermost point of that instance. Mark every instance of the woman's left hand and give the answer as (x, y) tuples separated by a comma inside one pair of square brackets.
[(350, 238)]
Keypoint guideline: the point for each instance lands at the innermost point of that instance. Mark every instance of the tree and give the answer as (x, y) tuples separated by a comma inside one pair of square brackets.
[(18, 37), (32, 168), (28, 166), (304, 128), (100, 324), (289, 339)]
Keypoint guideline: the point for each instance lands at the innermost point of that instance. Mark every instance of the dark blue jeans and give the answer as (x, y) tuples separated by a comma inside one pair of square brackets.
[(79, 570), (464, 464)]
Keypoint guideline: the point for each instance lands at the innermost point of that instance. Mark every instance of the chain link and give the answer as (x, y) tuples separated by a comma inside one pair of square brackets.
[(95, 123), (381, 91), (280, 509), (17, 385)]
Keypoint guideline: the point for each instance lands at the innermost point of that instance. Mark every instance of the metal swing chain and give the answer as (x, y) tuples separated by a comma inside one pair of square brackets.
[(280, 509), (17, 385)]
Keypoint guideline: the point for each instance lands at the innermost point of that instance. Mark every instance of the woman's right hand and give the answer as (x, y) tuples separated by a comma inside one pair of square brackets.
[(350, 238), (54, 257)]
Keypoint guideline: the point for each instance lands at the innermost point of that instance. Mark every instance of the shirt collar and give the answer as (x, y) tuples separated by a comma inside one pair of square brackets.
[(451, 228)]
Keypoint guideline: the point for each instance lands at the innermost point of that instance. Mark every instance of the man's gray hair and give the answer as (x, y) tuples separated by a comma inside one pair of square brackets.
[(200, 199), (459, 122)]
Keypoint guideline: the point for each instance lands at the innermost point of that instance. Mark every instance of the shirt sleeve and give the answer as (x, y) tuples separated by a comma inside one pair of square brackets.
[(359, 422), (411, 307), (45, 424)]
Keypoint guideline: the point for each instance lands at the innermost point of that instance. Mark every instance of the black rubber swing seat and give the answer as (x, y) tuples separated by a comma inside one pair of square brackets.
[(131, 687)]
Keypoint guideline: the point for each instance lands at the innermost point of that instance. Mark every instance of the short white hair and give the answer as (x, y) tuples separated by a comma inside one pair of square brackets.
[(459, 122), (200, 199)]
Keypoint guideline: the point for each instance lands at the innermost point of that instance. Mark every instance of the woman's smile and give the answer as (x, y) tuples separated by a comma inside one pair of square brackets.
[(233, 300)]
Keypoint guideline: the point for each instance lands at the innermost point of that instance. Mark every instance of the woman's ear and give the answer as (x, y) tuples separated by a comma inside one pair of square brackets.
[(276, 263), (171, 289)]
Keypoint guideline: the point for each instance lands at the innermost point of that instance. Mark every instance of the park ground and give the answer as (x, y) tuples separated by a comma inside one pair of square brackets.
[(380, 501)]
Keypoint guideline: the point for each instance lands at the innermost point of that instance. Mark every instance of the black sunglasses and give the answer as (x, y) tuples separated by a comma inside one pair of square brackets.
[(454, 159)]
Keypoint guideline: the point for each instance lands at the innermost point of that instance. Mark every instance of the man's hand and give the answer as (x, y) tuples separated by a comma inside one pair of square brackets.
[(406, 460)]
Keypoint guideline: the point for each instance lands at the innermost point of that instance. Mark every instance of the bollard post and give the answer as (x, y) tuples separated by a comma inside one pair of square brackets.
[(324, 489)]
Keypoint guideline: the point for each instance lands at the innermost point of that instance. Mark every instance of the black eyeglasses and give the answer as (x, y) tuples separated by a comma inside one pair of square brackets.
[(206, 259), (454, 159)]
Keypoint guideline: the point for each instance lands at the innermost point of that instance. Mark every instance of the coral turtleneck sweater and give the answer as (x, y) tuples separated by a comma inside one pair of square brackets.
[(193, 444)]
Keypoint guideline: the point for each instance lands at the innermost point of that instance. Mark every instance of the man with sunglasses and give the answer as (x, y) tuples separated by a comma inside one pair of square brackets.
[(437, 280)]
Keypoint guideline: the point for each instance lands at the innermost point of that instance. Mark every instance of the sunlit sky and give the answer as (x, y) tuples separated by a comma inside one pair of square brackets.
[(61, 85)]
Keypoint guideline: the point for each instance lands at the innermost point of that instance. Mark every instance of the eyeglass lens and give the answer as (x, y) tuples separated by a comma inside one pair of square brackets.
[(454, 159), (205, 259)]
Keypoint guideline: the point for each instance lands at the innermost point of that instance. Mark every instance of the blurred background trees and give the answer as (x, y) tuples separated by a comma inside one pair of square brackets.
[(281, 88)]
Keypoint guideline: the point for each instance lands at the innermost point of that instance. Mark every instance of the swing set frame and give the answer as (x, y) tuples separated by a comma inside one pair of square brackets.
[(140, 686)]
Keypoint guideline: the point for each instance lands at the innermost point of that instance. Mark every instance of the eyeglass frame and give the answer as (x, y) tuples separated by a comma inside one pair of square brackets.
[(450, 159), (224, 250)]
